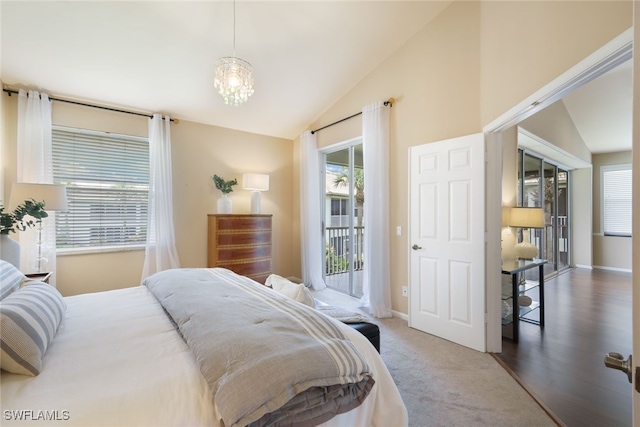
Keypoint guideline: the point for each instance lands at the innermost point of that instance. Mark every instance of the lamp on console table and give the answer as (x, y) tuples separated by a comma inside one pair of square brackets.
[(526, 218), (256, 183)]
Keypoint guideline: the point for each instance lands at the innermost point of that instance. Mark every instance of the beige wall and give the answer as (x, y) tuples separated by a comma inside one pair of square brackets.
[(470, 65), (608, 251), (435, 81), (581, 218), (527, 44), (198, 152), (509, 189)]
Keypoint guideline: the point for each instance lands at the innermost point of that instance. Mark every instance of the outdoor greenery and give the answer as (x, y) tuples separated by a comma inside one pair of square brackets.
[(225, 186), (22, 216), (358, 177), (334, 263), (339, 263)]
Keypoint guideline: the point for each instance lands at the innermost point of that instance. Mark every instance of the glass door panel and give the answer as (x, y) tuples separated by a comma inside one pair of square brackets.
[(532, 188), (532, 193), (343, 219), (549, 197), (562, 219)]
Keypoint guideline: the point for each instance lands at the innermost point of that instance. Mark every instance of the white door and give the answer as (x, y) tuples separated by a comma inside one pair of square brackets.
[(447, 262)]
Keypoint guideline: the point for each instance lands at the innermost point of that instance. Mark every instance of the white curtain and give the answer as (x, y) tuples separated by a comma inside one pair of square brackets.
[(160, 252), (35, 166), (310, 216), (377, 277)]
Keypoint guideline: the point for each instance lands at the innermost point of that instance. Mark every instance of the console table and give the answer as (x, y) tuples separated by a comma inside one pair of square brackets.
[(513, 268)]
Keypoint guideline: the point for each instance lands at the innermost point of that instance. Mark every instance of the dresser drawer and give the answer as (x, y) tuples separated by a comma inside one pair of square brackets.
[(243, 222), (244, 254), (241, 243), (234, 238)]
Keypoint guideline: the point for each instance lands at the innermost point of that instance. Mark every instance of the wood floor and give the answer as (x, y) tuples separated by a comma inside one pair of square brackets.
[(588, 314)]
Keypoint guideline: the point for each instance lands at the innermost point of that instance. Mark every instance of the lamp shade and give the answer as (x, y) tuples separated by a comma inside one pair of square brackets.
[(526, 217), (54, 196), (255, 182)]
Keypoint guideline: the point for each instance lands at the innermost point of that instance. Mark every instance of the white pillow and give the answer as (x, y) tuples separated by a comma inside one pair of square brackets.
[(295, 291)]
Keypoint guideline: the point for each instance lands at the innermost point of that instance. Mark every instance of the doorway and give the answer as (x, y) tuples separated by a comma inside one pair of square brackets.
[(344, 222), (607, 58), (613, 54)]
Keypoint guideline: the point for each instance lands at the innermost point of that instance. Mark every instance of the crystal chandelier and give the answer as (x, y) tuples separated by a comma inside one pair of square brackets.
[(233, 76)]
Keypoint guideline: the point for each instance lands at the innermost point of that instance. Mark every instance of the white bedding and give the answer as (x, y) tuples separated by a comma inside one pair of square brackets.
[(118, 360)]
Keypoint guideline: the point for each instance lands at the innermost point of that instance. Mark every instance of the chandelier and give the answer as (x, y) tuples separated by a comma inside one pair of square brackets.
[(233, 76)]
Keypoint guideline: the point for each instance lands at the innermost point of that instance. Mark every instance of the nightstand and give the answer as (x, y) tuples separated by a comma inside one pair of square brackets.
[(41, 277)]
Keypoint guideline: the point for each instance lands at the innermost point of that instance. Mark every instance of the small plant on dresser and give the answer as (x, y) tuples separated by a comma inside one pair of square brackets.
[(225, 186), (224, 205)]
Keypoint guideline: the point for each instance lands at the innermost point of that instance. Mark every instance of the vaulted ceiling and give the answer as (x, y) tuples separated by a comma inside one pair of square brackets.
[(159, 56), (601, 110)]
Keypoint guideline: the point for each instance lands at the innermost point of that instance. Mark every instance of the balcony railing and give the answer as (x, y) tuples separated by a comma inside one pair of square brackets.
[(338, 246)]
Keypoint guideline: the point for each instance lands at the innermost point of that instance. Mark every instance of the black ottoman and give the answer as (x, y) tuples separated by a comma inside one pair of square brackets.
[(369, 330)]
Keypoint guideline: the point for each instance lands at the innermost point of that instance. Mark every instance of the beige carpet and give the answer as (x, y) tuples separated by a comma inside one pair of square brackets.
[(445, 384)]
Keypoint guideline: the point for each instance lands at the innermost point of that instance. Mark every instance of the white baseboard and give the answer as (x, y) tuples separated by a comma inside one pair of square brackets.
[(588, 267), (400, 315), (602, 267)]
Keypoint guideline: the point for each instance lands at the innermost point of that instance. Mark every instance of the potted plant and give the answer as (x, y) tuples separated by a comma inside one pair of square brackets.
[(24, 216), (226, 187)]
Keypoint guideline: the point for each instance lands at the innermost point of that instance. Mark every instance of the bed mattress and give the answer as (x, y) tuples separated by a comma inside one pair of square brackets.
[(118, 360)]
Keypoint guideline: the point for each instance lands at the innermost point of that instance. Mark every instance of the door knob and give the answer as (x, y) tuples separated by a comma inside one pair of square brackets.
[(416, 247), (616, 361)]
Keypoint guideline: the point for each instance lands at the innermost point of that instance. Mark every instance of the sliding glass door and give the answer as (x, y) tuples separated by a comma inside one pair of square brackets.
[(343, 201), (543, 184)]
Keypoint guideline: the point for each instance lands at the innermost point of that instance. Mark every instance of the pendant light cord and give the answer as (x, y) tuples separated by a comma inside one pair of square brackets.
[(234, 28)]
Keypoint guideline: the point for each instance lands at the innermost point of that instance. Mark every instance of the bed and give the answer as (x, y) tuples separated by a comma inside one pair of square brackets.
[(129, 357)]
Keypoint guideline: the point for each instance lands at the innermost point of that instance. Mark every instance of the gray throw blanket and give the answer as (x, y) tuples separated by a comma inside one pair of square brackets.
[(269, 360)]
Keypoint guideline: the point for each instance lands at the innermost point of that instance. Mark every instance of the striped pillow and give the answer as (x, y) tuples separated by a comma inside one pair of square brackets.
[(10, 279), (29, 319)]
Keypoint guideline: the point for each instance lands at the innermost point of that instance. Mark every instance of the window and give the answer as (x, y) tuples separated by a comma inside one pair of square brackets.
[(107, 179), (616, 200), (338, 207)]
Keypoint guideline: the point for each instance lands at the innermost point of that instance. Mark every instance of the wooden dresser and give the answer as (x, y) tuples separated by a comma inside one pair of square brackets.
[(241, 243)]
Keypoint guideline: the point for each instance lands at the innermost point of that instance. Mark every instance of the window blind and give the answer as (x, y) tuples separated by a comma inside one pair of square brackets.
[(107, 179), (616, 197)]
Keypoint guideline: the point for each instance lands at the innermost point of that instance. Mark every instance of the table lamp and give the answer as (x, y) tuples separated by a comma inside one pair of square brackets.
[(256, 183), (54, 197), (526, 218)]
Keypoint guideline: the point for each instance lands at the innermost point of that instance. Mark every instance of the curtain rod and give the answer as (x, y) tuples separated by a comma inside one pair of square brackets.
[(12, 91), (390, 102)]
